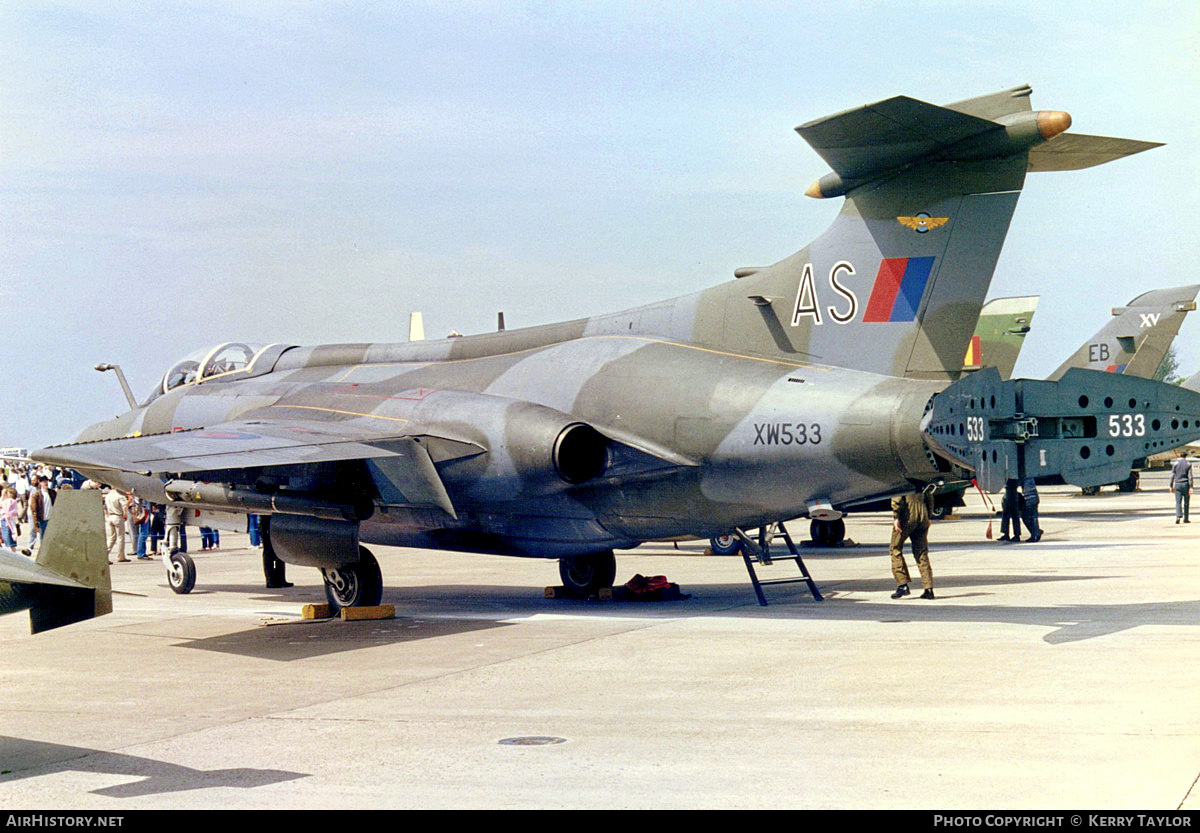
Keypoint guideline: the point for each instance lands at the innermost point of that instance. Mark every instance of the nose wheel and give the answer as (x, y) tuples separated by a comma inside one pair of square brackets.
[(181, 572), (727, 544), (355, 585)]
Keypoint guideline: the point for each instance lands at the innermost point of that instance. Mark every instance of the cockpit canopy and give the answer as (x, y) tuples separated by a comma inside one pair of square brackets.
[(203, 365)]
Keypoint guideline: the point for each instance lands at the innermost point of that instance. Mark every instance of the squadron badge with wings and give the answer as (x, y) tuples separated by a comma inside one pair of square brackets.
[(923, 222)]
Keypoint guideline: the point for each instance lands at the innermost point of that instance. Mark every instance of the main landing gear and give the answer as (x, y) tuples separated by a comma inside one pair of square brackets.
[(355, 585), (587, 574), (827, 533)]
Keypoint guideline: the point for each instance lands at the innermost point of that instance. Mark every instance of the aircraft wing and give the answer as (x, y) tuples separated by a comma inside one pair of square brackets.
[(247, 443), (401, 453), (400, 449)]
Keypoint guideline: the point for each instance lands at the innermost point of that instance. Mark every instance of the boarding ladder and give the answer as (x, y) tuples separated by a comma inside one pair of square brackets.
[(760, 553)]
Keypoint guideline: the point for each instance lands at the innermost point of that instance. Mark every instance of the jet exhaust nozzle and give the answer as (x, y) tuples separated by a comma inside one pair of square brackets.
[(580, 453), (550, 449)]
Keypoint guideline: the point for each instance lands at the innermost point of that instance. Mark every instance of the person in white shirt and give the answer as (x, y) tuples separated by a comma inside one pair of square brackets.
[(115, 506)]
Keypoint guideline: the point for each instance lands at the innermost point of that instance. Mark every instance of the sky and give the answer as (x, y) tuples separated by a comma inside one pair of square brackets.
[(174, 175)]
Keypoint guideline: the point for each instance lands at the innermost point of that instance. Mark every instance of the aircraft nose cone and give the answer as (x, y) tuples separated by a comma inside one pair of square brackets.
[(1052, 122)]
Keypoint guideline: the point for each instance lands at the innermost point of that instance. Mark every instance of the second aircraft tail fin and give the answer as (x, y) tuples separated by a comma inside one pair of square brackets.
[(1139, 335), (1000, 334)]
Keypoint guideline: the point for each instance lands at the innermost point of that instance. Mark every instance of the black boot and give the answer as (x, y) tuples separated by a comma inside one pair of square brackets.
[(901, 592), (928, 594)]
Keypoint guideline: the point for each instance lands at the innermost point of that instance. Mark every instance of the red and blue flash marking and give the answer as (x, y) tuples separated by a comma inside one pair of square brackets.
[(898, 288)]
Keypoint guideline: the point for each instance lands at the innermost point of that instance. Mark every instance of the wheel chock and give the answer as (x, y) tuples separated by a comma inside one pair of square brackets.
[(357, 614), (604, 594), (317, 611)]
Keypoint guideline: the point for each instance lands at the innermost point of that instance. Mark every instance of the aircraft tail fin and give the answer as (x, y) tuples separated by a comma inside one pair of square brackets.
[(1139, 335), (73, 548), (896, 284), (1000, 334)]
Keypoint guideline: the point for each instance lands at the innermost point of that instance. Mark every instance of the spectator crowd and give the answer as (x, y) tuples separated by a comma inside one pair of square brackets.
[(132, 525)]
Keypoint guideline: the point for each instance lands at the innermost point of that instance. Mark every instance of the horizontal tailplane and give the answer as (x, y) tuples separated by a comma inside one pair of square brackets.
[(879, 140)]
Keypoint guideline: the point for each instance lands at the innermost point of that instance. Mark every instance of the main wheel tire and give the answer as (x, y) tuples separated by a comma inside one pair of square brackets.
[(940, 511), (587, 574), (355, 585), (827, 533), (727, 544), (181, 572)]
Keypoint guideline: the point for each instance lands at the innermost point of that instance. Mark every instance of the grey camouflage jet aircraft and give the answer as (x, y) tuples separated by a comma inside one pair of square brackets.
[(797, 389)]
